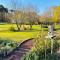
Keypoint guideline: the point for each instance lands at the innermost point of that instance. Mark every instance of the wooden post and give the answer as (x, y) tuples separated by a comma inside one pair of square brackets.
[(50, 36), (50, 31), (51, 46)]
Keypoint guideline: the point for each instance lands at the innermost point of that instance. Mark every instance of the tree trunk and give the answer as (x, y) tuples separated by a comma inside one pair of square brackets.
[(30, 26), (18, 26)]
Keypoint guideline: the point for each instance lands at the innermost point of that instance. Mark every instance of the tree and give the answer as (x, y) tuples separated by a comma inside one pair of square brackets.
[(17, 14), (24, 15), (53, 14), (31, 15), (56, 14), (3, 12)]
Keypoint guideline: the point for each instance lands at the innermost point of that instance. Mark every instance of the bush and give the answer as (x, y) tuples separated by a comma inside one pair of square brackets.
[(6, 45), (42, 46), (35, 56), (5, 42), (12, 29), (30, 56)]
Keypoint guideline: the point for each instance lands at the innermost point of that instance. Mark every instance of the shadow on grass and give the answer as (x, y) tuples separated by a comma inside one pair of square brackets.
[(32, 30), (56, 29)]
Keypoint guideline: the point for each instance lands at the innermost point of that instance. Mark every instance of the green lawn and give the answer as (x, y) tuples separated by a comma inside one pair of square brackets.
[(5, 33), (18, 36)]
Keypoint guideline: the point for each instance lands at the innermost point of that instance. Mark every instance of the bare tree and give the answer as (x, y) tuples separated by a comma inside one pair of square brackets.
[(32, 15), (16, 13), (25, 13)]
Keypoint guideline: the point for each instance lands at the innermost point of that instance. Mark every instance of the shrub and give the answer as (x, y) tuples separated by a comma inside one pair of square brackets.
[(30, 56), (12, 29), (6, 45), (42, 49)]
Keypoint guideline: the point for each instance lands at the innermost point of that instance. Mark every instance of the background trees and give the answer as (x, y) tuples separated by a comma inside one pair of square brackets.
[(53, 14), (56, 14), (23, 15), (32, 15), (3, 12)]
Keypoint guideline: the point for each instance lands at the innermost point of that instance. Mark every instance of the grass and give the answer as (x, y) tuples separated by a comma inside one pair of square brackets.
[(57, 27), (5, 32), (17, 36)]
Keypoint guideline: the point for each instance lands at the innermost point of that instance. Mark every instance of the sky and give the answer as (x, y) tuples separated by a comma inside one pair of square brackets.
[(41, 5)]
